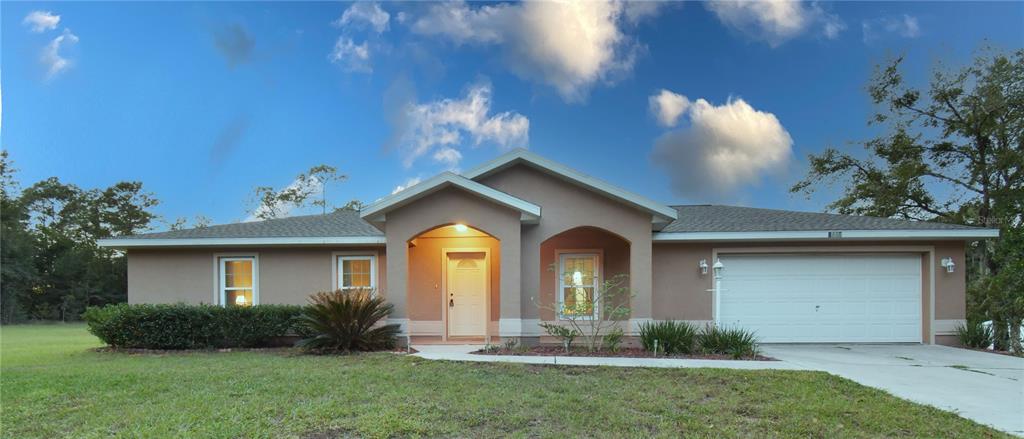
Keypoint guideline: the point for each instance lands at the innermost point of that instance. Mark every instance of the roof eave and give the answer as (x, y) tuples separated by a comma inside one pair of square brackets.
[(833, 235), (127, 243), (377, 212)]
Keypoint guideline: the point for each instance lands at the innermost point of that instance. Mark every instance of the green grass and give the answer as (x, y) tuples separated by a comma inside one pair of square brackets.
[(53, 385)]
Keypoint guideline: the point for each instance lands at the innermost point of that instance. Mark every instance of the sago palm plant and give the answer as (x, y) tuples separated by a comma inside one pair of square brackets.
[(346, 321)]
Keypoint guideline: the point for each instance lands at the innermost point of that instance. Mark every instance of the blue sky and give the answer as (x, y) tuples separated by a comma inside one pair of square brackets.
[(204, 101)]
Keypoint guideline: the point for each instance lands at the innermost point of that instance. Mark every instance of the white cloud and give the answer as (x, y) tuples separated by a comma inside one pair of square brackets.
[(310, 185), (775, 21), (667, 106), (41, 21), (449, 157), (52, 59), (408, 183), (905, 26), (351, 56), (568, 45), (723, 147), (364, 13), (437, 128)]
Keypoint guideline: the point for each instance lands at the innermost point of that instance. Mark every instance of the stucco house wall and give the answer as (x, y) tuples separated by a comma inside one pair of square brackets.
[(567, 206), (445, 207), (286, 275)]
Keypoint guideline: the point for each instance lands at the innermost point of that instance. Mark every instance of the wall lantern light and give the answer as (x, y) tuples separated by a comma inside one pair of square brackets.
[(461, 228), (718, 268), (703, 265), (948, 264)]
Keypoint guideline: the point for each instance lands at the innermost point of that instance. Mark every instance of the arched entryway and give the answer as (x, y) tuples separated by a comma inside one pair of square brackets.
[(574, 264), (454, 283)]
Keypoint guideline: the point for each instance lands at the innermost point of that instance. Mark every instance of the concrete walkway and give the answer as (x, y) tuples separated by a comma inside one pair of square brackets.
[(984, 387), (462, 353)]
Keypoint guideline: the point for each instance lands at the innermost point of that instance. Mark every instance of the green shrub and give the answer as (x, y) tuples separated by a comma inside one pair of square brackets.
[(182, 326), (735, 342), (345, 321), (612, 340), (974, 334), (674, 337), (564, 333)]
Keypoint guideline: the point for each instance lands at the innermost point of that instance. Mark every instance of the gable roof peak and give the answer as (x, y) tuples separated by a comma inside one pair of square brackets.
[(661, 213)]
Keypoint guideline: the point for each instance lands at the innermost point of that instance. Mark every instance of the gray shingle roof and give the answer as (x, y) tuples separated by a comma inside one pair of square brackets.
[(692, 218), (712, 218), (337, 224)]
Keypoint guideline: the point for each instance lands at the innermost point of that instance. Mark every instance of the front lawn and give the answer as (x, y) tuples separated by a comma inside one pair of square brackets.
[(52, 384)]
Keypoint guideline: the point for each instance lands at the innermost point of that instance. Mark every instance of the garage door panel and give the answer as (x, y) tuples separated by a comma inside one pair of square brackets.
[(824, 298)]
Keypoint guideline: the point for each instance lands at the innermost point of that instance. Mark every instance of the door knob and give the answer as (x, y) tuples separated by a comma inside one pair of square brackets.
[(451, 303)]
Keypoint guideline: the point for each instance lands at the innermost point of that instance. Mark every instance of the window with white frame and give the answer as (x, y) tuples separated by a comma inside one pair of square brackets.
[(238, 281), (579, 279), (357, 272)]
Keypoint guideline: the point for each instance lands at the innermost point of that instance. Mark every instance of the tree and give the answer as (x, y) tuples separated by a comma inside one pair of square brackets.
[(51, 266), (353, 205), (592, 319), (952, 153), (271, 203), (17, 245), (180, 223)]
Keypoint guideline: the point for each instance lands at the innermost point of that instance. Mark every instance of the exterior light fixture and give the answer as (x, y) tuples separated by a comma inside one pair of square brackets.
[(461, 228), (718, 268), (703, 265), (948, 264)]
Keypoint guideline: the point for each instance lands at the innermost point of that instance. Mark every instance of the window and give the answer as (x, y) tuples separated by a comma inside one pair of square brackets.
[(356, 272), (578, 284), (238, 281)]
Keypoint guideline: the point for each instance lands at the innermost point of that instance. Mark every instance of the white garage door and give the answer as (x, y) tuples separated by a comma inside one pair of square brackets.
[(823, 298)]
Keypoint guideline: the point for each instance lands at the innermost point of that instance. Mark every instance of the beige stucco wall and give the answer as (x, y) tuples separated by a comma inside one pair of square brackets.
[(452, 206), (613, 251), (680, 292), (426, 265), (566, 206), (286, 275)]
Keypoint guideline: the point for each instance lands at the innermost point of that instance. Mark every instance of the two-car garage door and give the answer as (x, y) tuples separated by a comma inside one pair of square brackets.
[(823, 298)]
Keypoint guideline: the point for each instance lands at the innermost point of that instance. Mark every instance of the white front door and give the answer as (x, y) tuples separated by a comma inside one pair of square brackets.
[(467, 294), (823, 298)]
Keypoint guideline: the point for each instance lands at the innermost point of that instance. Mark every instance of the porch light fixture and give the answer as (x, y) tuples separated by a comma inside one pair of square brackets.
[(703, 265), (461, 228), (718, 268), (948, 264)]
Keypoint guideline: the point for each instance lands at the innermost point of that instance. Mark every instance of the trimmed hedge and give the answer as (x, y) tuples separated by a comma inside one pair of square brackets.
[(182, 326)]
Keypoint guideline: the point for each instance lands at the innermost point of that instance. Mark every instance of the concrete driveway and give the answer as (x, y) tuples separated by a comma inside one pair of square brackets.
[(984, 387)]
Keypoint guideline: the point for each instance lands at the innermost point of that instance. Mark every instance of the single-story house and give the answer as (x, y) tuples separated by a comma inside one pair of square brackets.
[(487, 253)]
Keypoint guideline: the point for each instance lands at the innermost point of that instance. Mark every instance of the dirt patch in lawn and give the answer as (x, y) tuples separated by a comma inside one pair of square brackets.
[(557, 351)]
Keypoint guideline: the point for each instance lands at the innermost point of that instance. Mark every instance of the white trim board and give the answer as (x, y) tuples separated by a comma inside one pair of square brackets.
[(825, 235), (662, 214), (530, 213), (122, 243)]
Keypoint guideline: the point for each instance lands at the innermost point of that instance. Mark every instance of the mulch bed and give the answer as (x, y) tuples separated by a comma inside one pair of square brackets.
[(558, 351)]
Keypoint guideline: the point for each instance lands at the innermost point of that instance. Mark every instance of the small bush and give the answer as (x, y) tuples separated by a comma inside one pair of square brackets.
[(564, 333), (612, 340), (346, 321), (974, 334), (673, 337), (182, 326), (735, 342)]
